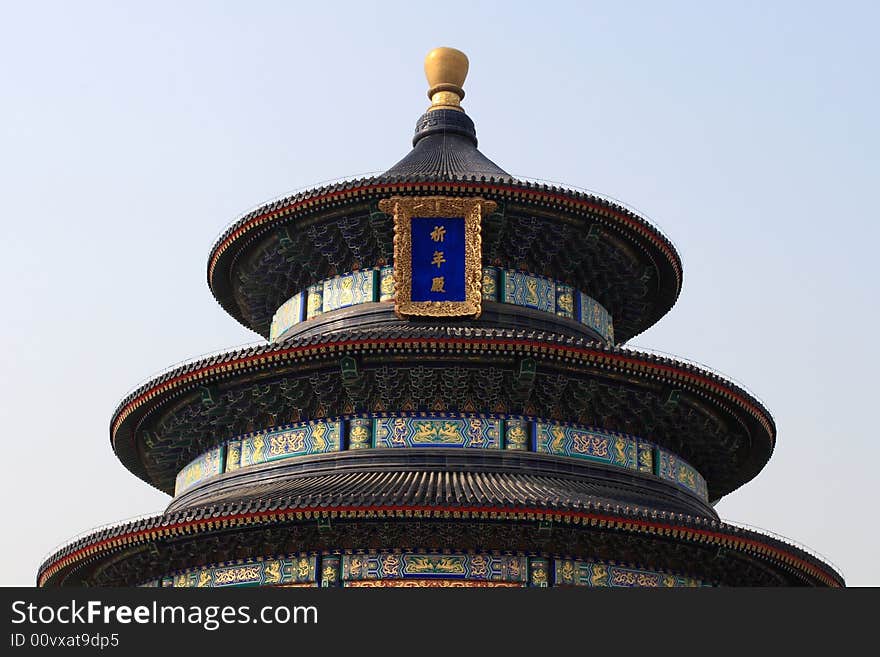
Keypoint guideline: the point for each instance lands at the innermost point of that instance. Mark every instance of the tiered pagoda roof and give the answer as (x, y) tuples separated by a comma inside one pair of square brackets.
[(521, 445)]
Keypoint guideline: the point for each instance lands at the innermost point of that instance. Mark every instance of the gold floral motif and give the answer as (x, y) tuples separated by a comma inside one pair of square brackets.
[(646, 580), (287, 442), (319, 444), (277, 445), (597, 574), (404, 208), (565, 302), (479, 566), (386, 285), (686, 477), (235, 575), (591, 445), (233, 458), (620, 447), (558, 434), (475, 434), (630, 578), (285, 317), (345, 293), (516, 436), (391, 565), (398, 434), (489, 289), (273, 572), (432, 432), (531, 291), (329, 574), (539, 573), (359, 437), (315, 304), (445, 565)]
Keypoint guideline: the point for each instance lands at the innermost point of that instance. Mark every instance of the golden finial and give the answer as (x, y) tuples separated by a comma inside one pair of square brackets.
[(446, 69)]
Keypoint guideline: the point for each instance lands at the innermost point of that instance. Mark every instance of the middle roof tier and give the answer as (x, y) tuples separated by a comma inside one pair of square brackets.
[(714, 425)]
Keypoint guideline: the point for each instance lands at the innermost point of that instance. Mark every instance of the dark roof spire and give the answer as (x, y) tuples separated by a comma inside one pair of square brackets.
[(445, 143)]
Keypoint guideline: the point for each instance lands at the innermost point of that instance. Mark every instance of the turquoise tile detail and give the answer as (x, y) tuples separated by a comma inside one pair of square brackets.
[(360, 433), (565, 300), (516, 435), (670, 467), (437, 432), (350, 290), (295, 440), (209, 464), (570, 572), (233, 456), (386, 283), (528, 290), (586, 444), (593, 314), (294, 570), (392, 565), (315, 301), (289, 314), (490, 284)]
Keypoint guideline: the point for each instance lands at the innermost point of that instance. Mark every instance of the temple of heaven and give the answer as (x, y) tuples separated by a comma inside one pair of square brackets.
[(443, 399)]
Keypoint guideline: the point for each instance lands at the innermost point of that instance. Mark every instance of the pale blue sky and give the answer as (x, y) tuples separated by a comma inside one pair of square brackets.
[(131, 134)]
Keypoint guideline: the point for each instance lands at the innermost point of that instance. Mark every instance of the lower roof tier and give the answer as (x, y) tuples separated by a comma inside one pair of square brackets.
[(577, 530), (610, 253), (430, 477), (719, 429)]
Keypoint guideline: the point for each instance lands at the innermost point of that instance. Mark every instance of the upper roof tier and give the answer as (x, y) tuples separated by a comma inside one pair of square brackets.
[(609, 252)]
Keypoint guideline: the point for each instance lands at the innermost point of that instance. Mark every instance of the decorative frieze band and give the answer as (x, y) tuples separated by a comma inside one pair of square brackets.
[(498, 284), (497, 432), (416, 569), (570, 572), (430, 432)]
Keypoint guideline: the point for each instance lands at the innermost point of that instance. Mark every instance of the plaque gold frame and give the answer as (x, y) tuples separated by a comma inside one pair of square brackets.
[(404, 208)]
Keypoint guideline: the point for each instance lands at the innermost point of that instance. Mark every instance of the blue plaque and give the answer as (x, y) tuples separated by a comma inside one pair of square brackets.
[(438, 270)]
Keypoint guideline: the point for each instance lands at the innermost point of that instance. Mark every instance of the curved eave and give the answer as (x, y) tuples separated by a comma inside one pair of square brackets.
[(242, 232), (108, 542), (571, 351)]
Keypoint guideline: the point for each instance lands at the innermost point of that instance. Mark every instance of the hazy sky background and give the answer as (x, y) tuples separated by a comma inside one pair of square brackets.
[(131, 134)]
